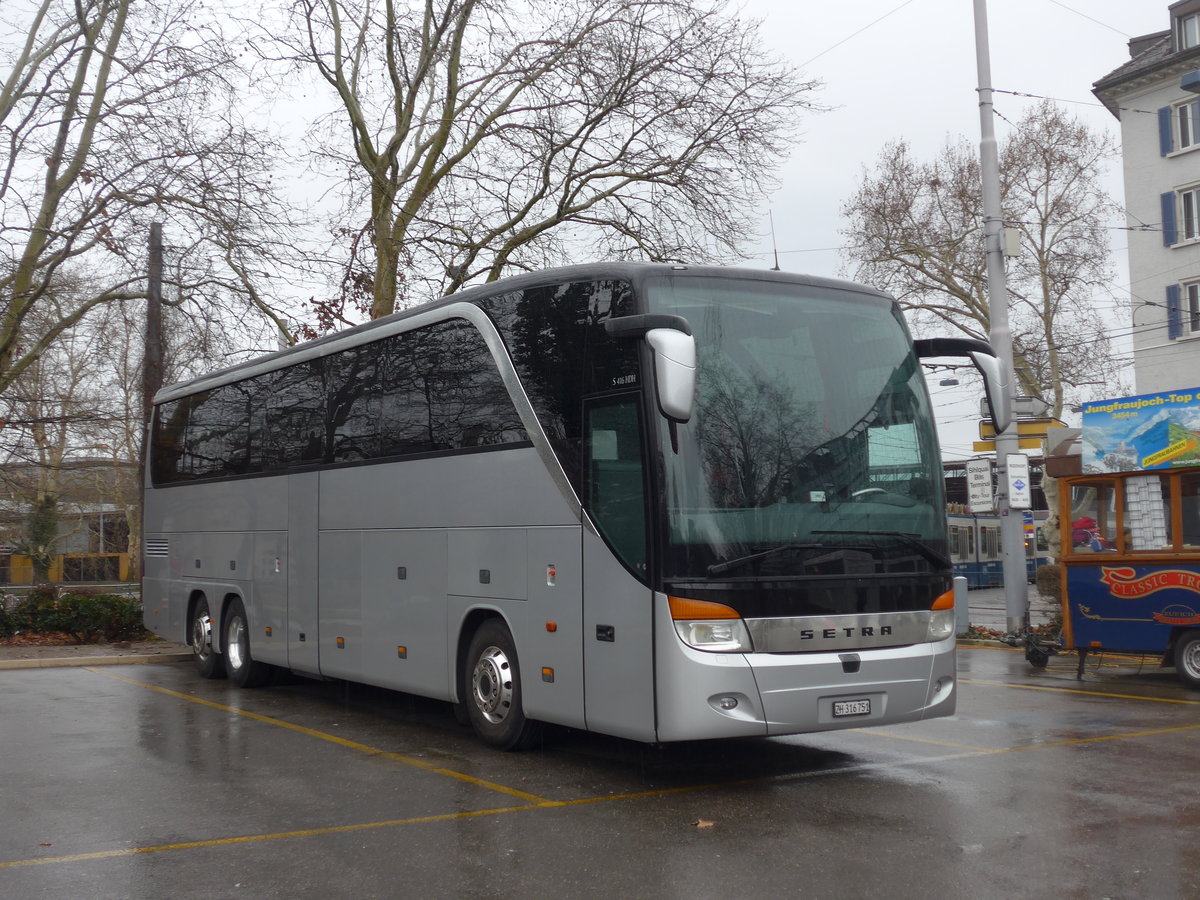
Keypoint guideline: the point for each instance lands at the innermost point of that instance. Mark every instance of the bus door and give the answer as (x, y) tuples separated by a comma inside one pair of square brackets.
[(618, 606)]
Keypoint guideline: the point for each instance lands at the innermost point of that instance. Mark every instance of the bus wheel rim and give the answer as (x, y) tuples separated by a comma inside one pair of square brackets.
[(202, 636), (237, 642), (492, 686)]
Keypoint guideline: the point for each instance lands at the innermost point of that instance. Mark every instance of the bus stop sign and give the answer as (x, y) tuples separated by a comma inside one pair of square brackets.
[(1020, 491), (979, 485)]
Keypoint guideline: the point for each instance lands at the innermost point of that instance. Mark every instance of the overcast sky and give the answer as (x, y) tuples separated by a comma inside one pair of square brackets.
[(907, 69)]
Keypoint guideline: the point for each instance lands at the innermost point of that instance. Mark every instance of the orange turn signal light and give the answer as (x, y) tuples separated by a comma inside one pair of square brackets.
[(683, 608), (946, 601)]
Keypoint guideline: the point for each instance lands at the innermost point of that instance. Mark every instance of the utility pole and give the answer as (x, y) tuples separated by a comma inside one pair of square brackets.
[(1012, 530), (152, 353)]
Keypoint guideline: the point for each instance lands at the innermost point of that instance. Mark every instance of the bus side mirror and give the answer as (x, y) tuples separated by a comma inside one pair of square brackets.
[(674, 371), (670, 338), (993, 385), (983, 357)]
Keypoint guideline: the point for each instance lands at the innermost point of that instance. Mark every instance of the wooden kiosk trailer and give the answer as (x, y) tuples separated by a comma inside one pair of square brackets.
[(1131, 555)]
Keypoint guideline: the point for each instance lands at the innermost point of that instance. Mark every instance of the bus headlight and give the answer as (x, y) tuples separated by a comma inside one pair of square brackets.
[(941, 625), (716, 636), (941, 618), (713, 627)]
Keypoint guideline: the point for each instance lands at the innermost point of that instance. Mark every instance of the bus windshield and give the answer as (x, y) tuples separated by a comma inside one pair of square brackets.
[(812, 449)]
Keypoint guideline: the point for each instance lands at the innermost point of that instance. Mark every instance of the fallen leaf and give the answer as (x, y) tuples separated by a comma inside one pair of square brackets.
[(703, 823)]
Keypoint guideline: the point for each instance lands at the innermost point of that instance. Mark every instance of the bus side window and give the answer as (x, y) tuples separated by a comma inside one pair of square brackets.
[(615, 490)]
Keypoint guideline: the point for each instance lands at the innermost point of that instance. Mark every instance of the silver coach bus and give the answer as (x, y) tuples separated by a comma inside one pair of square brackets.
[(659, 502)]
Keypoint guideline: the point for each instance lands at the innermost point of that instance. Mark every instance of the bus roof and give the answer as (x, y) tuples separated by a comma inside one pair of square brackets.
[(634, 272)]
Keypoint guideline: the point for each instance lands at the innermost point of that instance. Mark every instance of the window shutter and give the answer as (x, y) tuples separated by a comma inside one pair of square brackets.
[(1174, 312), (1164, 130), (1170, 232)]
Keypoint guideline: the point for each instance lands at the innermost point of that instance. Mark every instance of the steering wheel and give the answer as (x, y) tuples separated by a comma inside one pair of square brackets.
[(871, 490)]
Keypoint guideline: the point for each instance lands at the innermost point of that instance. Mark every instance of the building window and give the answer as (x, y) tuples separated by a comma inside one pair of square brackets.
[(1187, 124), (1189, 209), (1190, 313), (1187, 31), (1183, 310)]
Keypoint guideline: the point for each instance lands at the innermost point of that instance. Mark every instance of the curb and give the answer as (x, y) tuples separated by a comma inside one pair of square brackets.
[(65, 662)]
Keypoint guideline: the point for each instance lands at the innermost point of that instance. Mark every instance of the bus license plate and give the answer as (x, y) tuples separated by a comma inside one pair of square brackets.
[(851, 708)]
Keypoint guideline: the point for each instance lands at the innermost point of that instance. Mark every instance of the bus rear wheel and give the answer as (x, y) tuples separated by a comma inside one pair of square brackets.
[(208, 661), (492, 680), (1187, 658), (242, 668)]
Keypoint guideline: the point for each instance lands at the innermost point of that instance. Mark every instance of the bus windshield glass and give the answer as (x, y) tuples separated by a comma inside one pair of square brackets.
[(812, 450)]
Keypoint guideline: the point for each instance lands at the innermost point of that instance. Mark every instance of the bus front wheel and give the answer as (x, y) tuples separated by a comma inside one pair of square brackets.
[(242, 668), (1187, 658), (492, 679), (208, 662)]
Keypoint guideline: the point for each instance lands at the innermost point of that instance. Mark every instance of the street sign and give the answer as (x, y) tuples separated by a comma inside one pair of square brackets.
[(1020, 488), (979, 485), (1025, 443), (1023, 408), (1025, 428)]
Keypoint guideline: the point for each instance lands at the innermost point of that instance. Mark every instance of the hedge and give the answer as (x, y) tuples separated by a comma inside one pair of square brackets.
[(87, 617)]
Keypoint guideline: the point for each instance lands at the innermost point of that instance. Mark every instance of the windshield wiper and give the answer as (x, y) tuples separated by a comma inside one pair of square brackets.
[(909, 540), (722, 567)]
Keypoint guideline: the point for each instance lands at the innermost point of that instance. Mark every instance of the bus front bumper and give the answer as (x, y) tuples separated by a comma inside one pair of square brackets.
[(716, 695)]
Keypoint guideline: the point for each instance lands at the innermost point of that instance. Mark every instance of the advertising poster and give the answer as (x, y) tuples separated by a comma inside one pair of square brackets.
[(1150, 431)]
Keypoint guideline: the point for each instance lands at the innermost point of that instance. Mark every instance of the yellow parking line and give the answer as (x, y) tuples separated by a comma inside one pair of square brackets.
[(331, 738), (921, 740), (1062, 690), (971, 753), (253, 838), (361, 826), (1095, 739)]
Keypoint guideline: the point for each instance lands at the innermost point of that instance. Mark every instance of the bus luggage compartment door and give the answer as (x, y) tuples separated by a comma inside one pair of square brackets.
[(617, 646)]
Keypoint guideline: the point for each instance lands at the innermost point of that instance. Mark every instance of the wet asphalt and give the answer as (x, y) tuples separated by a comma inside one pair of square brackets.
[(149, 782)]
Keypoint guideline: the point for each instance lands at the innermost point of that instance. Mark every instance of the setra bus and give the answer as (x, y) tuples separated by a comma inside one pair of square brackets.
[(659, 502)]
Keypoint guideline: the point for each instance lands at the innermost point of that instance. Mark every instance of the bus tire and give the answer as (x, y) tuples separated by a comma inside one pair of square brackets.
[(204, 654), (1187, 658), (492, 684), (241, 667)]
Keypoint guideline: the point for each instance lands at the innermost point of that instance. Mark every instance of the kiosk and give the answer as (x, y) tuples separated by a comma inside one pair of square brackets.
[(1131, 532)]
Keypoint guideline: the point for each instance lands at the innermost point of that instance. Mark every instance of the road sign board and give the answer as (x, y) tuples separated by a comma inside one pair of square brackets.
[(1025, 443), (1025, 407), (1025, 428), (1020, 488), (980, 496)]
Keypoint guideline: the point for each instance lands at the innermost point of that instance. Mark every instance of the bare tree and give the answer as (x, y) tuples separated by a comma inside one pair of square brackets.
[(916, 228), (487, 135), (56, 405), (113, 114)]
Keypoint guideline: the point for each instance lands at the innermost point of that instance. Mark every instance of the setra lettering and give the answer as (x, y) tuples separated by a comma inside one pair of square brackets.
[(848, 631)]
